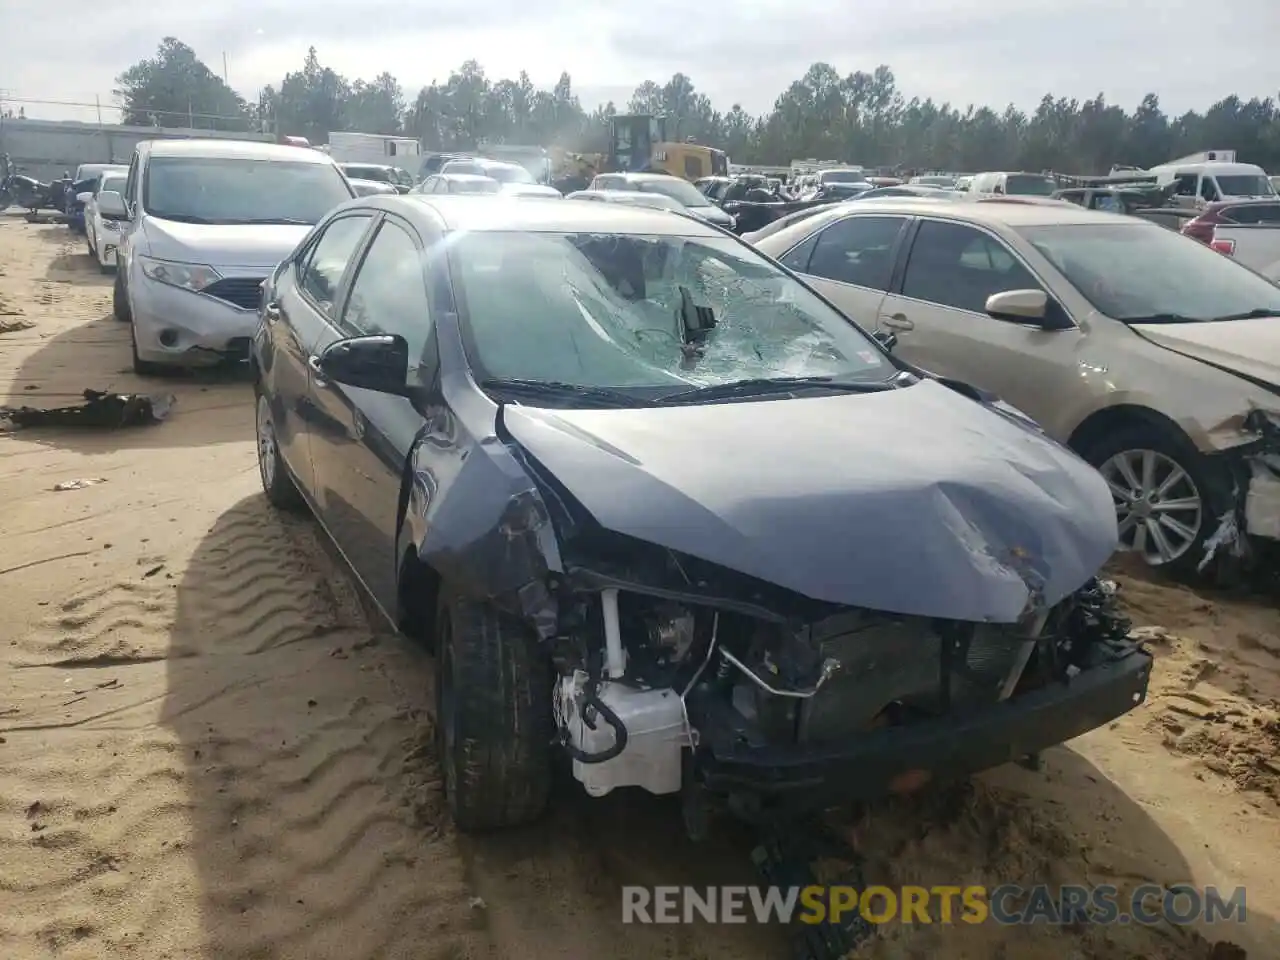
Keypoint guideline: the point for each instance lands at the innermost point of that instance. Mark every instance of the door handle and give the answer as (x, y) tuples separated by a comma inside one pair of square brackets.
[(896, 321), (271, 312), (317, 374)]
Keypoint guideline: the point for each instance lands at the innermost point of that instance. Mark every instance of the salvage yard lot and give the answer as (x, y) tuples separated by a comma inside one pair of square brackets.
[(206, 752)]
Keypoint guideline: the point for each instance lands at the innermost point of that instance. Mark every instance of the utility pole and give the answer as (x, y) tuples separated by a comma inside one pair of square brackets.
[(224, 69)]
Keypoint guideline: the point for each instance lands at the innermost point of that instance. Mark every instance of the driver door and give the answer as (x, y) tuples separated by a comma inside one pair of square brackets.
[(360, 439), (939, 317)]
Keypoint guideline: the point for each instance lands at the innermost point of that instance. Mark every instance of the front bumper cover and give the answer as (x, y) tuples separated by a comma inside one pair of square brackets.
[(730, 759)]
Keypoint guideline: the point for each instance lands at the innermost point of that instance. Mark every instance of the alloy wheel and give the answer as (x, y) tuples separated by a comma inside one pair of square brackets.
[(1159, 508), (266, 444)]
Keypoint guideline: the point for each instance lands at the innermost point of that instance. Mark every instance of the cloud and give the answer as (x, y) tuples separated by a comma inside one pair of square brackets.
[(995, 52)]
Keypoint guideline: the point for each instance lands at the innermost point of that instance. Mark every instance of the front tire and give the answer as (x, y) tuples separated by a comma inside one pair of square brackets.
[(493, 716), (120, 301), (279, 487), (1168, 498)]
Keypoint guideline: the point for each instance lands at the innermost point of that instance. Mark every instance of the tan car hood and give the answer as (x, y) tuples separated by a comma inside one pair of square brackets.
[(1249, 347)]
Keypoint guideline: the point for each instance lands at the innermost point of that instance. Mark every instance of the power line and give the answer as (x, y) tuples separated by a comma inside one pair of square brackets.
[(94, 105)]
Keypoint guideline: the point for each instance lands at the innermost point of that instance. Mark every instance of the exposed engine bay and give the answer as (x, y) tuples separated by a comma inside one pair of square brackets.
[(667, 660)]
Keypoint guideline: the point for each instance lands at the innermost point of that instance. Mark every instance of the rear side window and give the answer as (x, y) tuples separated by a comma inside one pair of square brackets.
[(321, 277), (1252, 213), (857, 250), (797, 258)]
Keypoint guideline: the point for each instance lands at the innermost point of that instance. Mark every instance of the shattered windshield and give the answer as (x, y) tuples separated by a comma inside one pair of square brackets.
[(657, 314)]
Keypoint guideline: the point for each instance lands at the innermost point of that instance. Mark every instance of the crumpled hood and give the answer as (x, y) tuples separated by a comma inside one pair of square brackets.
[(223, 245), (914, 501), (1251, 347)]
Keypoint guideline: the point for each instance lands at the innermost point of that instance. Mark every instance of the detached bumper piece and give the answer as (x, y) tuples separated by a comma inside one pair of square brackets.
[(733, 759), (101, 410)]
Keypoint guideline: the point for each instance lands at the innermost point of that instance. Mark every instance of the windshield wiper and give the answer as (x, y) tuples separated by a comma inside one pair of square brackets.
[(555, 388), (282, 221), (765, 386), (184, 218), (1163, 318), (1257, 313)]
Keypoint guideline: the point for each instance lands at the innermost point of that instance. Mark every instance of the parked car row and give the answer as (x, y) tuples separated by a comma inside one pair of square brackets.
[(733, 516)]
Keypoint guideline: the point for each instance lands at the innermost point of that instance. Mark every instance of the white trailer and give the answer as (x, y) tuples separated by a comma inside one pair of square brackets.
[(346, 147)]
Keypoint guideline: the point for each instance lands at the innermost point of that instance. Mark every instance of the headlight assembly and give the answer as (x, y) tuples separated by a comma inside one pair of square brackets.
[(186, 276)]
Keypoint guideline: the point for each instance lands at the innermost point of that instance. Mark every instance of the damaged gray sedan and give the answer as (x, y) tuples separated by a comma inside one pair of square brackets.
[(658, 505)]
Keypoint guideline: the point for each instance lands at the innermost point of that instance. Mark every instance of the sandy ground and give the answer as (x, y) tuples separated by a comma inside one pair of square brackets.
[(206, 752)]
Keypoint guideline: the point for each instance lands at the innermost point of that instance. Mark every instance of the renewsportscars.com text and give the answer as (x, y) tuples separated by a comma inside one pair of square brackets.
[(1007, 904)]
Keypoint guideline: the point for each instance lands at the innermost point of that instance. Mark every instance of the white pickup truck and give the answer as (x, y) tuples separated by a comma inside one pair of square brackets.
[(1247, 230)]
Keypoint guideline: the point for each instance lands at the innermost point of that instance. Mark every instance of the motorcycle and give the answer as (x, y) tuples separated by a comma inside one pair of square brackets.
[(17, 189)]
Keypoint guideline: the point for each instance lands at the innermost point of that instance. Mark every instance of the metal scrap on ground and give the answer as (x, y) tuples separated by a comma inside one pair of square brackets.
[(100, 409)]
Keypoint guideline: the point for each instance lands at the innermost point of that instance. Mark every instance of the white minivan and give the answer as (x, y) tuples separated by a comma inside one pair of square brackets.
[(1013, 184), (202, 224)]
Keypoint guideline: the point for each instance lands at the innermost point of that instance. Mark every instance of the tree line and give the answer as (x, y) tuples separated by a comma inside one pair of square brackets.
[(861, 117)]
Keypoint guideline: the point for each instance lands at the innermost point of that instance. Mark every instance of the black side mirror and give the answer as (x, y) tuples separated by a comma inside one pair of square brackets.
[(379, 363), (886, 340)]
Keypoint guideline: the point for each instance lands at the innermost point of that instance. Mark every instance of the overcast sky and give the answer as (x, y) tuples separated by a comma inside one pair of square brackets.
[(1190, 52)]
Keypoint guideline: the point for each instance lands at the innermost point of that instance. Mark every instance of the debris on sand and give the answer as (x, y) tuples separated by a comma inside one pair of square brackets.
[(100, 409), (12, 323), (77, 484)]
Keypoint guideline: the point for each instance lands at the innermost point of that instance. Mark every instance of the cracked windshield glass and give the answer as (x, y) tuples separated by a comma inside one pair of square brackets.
[(647, 312)]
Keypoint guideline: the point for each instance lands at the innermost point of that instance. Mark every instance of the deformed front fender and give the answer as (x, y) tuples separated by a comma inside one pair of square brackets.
[(476, 518)]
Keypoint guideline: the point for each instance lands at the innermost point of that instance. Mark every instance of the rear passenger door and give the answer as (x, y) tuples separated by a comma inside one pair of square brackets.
[(851, 263), (939, 316)]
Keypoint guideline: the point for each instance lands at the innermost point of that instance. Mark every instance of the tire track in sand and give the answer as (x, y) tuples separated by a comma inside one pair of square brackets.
[(268, 802)]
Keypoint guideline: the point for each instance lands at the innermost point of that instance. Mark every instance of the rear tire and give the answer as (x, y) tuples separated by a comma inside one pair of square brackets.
[(277, 484), (493, 716), (1188, 528)]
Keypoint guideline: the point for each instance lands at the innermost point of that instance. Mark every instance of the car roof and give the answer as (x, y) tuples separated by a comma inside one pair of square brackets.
[(464, 177), (233, 150), (498, 212), (645, 177), (481, 162), (1243, 202), (993, 213), (653, 200)]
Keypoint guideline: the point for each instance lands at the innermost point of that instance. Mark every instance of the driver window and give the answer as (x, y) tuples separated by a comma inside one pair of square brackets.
[(1186, 185), (389, 294), (131, 180), (1208, 189), (322, 276), (957, 266)]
